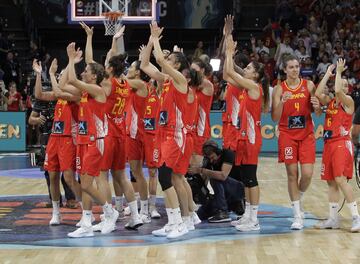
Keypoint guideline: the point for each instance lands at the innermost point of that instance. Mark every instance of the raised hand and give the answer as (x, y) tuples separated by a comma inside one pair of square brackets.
[(89, 31), (78, 56), (228, 25), (71, 52), (53, 66), (340, 67), (119, 33), (155, 30), (230, 44), (330, 70), (141, 51), (37, 66)]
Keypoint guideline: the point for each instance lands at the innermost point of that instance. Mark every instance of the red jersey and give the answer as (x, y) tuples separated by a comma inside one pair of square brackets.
[(337, 122), (64, 122), (203, 116), (296, 119), (15, 105), (173, 106), (115, 106), (190, 115), (135, 116), (253, 118), (92, 120), (151, 110)]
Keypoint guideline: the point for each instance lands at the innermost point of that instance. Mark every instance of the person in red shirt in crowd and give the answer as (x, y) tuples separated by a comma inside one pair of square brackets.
[(14, 101), (338, 154)]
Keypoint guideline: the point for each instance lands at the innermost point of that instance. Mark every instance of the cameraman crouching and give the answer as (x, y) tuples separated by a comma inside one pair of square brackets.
[(228, 193), (61, 149)]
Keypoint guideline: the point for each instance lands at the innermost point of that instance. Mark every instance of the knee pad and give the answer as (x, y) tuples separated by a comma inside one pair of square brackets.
[(249, 176), (132, 178), (165, 177)]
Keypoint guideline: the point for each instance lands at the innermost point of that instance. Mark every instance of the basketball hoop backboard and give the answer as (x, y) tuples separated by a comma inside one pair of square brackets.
[(91, 11)]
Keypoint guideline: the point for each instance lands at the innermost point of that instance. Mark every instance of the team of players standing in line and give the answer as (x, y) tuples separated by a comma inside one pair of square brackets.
[(108, 118)]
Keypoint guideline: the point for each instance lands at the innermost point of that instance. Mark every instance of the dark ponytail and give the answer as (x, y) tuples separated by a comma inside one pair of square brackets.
[(195, 77), (118, 63), (264, 81)]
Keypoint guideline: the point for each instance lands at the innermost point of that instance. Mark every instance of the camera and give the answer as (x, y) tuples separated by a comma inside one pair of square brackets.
[(201, 194)]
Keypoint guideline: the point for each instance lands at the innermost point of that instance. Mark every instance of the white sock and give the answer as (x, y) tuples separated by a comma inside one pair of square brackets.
[(247, 210), (119, 201), (177, 215), (186, 219), (152, 202), (353, 209), (87, 218), (107, 208), (333, 210), (144, 209), (56, 207), (137, 198), (170, 216), (296, 208), (133, 208), (253, 212)]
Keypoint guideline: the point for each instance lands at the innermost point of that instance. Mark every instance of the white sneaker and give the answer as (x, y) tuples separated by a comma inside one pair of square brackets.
[(121, 215), (195, 218), (298, 224), (127, 211), (55, 219), (145, 218), (328, 224), (134, 223), (248, 226), (98, 227), (162, 232), (355, 227), (82, 232), (78, 224), (110, 222), (243, 220), (177, 231), (155, 214), (189, 224)]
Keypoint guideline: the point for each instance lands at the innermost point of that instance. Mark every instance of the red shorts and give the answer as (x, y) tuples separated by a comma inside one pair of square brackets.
[(230, 138), (60, 154), (89, 158), (175, 156), (293, 151), (198, 143), (114, 153), (135, 149), (337, 160), (151, 151), (246, 153)]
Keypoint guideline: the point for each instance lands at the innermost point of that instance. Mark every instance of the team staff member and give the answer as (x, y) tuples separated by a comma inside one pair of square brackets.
[(337, 162), (61, 148), (255, 88), (291, 107)]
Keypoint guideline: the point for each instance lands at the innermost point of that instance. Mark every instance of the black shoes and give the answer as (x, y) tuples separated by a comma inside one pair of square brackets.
[(220, 217)]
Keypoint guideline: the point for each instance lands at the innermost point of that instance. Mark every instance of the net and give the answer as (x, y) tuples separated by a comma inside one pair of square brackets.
[(112, 22)]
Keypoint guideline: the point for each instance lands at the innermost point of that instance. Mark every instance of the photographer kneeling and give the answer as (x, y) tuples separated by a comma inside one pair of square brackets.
[(228, 193)]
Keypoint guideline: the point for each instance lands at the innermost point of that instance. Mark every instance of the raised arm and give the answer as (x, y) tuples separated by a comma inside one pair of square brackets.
[(88, 48), (319, 93), (93, 89), (340, 84), (39, 94), (114, 45)]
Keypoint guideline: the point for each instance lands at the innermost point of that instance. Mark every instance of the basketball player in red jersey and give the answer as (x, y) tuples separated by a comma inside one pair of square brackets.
[(60, 150), (204, 94), (291, 107), (255, 92), (90, 145), (151, 149), (172, 132), (337, 161), (118, 90)]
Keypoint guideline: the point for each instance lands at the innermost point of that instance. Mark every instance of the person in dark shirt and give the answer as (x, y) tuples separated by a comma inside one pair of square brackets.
[(228, 193)]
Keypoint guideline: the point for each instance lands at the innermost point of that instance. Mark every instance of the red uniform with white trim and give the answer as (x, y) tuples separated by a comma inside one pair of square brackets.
[(135, 127), (151, 149), (172, 136), (202, 121), (338, 151), (296, 139), (115, 147), (92, 129), (61, 148), (248, 150)]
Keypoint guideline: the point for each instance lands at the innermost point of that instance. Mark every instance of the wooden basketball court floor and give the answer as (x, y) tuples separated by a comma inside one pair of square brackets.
[(307, 246)]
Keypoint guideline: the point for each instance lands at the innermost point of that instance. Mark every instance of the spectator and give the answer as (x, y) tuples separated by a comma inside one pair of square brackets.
[(283, 48), (323, 65), (199, 50), (11, 70), (307, 71), (15, 100)]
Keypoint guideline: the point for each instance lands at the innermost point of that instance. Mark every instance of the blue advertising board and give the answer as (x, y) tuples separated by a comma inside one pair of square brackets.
[(268, 131), (12, 131)]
